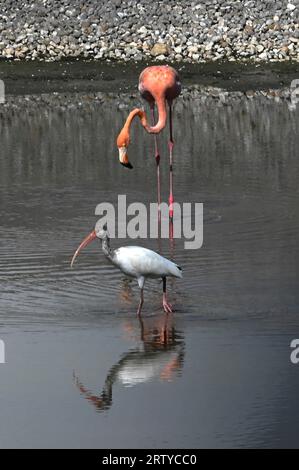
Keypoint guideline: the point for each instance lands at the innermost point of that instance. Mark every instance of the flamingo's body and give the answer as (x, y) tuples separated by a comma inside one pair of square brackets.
[(158, 85), (135, 261)]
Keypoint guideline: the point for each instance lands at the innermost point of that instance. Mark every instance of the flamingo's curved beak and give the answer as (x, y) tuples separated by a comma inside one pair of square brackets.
[(123, 157), (92, 236)]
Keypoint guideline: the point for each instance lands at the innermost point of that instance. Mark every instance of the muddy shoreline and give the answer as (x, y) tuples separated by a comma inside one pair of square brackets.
[(23, 78)]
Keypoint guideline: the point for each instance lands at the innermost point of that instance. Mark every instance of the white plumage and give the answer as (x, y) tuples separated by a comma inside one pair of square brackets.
[(143, 369), (135, 261)]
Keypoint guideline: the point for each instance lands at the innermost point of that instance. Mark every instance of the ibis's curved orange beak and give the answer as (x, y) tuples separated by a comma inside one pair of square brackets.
[(92, 236), (123, 157)]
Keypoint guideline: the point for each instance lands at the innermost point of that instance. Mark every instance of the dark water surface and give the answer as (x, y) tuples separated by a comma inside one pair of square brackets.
[(82, 370)]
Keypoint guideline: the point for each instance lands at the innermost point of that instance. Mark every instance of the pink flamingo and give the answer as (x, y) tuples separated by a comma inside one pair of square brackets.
[(157, 84)]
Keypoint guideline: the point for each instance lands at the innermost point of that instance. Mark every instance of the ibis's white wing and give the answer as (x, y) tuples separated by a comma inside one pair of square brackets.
[(138, 261)]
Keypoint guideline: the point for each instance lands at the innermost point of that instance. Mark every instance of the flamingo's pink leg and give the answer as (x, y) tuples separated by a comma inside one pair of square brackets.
[(170, 147), (157, 157)]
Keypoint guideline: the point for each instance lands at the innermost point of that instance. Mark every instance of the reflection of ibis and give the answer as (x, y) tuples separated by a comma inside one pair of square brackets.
[(159, 356), (135, 261)]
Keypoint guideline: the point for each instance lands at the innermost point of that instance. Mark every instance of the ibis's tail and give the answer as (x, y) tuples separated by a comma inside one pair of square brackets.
[(180, 271), (175, 270)]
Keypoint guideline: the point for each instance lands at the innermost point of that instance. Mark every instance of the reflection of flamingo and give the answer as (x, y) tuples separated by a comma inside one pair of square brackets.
[(157, 84), (159, 356), (134, 261)]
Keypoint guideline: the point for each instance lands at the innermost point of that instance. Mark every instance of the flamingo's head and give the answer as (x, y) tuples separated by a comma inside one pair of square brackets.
[(123, 141), (99, 231)]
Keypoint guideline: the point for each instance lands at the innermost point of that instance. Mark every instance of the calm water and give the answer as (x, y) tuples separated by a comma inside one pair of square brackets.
[(82, 370)]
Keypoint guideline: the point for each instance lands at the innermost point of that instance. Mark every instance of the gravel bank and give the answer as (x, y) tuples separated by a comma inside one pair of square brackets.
[(191, 96), (131, 30)]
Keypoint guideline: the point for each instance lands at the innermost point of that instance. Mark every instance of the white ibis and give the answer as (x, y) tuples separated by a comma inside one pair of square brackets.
[(134, 261)]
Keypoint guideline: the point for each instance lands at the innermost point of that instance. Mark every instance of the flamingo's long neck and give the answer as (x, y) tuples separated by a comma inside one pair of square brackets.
[(162, 115)]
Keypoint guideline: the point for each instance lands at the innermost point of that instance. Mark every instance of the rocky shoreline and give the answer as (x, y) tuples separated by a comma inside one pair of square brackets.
[(197, 95), (131, 30)]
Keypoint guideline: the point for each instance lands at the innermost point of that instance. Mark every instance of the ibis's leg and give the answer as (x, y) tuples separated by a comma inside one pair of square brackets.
[(141, 281), (157, 158), (167, 306), (140, 302), (142, 335)]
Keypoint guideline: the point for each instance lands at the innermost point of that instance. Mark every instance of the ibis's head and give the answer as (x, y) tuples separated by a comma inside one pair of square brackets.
[(99, 231)]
